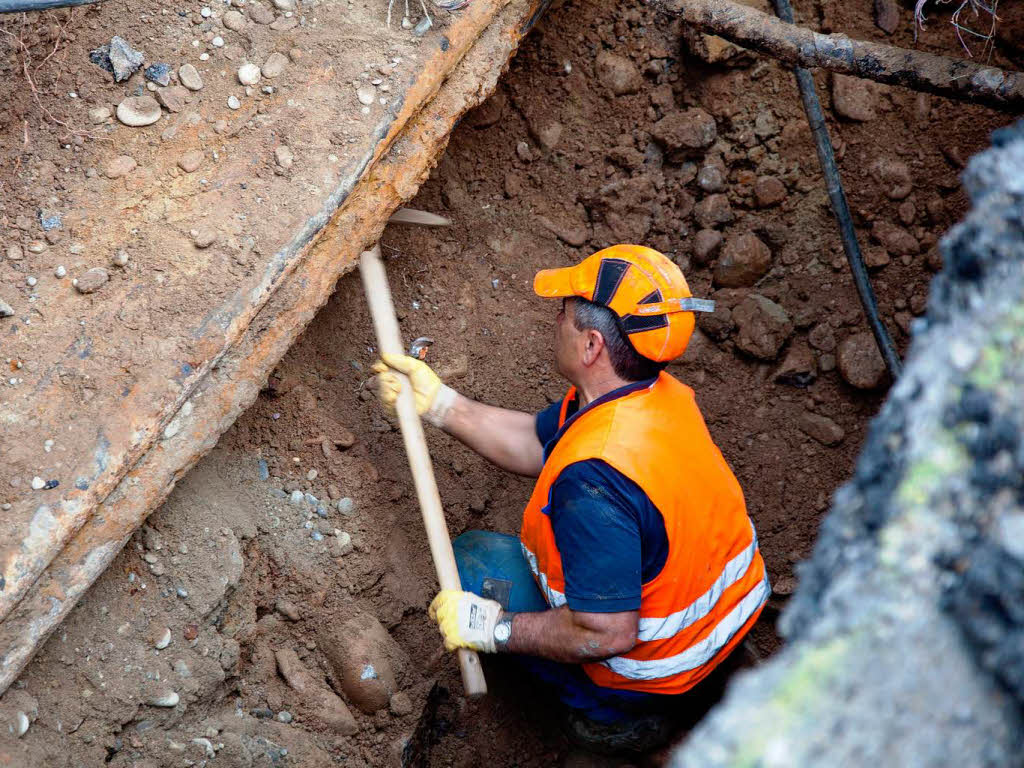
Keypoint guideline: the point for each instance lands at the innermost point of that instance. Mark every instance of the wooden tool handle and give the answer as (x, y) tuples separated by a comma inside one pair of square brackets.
[(389, 339)]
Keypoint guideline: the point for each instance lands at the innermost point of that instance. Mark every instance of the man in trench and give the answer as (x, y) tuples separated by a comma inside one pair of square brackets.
[(636, 571)]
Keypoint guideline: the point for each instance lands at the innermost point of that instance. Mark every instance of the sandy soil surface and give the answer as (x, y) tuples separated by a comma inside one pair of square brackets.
[(292, 558)]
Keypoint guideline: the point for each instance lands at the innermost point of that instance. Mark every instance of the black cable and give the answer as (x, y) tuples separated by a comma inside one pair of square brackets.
[(19, 6), (840, 208)]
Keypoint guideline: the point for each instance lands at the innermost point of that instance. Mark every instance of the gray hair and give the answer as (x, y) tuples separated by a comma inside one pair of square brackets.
[(626, 361)]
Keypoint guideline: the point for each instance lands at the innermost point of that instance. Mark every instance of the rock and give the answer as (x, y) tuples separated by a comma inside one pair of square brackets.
[(822, 337), (316, 700), (887, 15), (5, 309), (92, 280), (346, 506), (261, 14), (853, 98), (120, 166), (821, 428), (234, 20), (685, 133), (162, 639), (288, 609), (875, 258), (158, 73), (711, 179), (713, 211), (15, 253), (798, 368), (204, 236), (173, 98), (190, 78), (894, 176), (768, 191), (762, 327), (366, 95), (99, 115), (233, 102), (744, 260), (360, 652), (36, 246), (896, 240), (284, 23), (575, 236), (191, 160), (400, 704), (164, 699), (217, 42), (617, 73), (138, 111), (274, 65), (549, 134), (248, 74), (118, 57), (284, 156), (120, 259), (284, 5), (859, 361), (705, 245), (341, 544)]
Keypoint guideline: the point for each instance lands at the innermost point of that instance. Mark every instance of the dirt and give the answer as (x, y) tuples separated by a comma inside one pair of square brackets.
[(560, 161)]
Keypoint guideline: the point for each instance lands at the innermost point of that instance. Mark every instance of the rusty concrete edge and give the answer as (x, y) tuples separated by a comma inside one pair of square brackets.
[(234, 383), (50, 526)]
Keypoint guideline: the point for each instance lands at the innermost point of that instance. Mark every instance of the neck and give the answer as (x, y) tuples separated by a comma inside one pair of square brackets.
[(598, 386)]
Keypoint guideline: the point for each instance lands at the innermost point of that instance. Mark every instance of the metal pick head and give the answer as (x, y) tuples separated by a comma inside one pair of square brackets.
[(419, 347)]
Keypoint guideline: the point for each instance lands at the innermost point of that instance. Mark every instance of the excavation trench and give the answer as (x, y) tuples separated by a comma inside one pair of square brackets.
[(571, 153)]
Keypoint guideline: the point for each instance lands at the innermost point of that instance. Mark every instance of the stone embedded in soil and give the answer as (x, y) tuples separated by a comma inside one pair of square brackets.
[(284, 23), (366, 95), (821, 428), (189, 77), (710, 178), (894, 176), (853, 98), (15, 253), (288, 609), (713, 211), (360, 652), (248, 74), (261, 14), (875, 257), (99, 115), (575, 236), (119, 166), (233, 102), (887, 15), (191, 160), (158, 73), (120, 259), (686, 132), (762, 327), (798, 368), (822, 337), (744, 260), (164, 699), (5, 309), (138, 111), (315, 699), (284, 156), (340, 544), (401, 704), (162, 638), (617, 73), (274, 65), (234, 20), (896, 240), (92, 280), (705, 245), (204, 236), (173, 98), (118, 57), (859, 361), (768, 191)]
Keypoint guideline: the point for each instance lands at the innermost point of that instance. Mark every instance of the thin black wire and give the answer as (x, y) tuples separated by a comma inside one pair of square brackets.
[(840, 208), (19, 6)]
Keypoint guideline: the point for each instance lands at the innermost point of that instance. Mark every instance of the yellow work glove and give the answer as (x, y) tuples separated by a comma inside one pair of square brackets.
[(466, 620), (433, 399)]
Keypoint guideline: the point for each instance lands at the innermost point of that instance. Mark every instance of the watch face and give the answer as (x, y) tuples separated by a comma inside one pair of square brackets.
[(502, 632)]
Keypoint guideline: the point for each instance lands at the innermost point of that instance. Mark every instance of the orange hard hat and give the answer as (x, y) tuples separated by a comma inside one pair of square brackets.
[(643, 287)]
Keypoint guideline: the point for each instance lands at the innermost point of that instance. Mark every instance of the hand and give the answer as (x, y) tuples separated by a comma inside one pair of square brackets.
[(466, 620), (433, 399)]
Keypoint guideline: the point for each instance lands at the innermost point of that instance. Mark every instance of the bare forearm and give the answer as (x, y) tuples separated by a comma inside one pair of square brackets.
[(561, 635), (504, 437)]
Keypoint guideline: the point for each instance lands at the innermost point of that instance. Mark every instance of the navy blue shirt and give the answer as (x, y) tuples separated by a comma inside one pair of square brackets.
[(610, 535)]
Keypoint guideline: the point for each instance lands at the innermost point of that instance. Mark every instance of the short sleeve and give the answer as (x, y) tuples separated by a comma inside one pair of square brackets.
[(546, 424), (597, 533)]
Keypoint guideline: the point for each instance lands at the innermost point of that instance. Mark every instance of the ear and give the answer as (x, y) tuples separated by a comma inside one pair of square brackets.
[(593, 343)]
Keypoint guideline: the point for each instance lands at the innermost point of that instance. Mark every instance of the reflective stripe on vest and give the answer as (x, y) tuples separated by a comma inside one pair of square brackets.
[(701, 653), (661, 628), (555, 598)]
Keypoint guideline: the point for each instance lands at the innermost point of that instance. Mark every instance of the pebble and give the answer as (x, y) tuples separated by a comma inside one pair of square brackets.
[(288, 609), (744, 260), (366, 95), (15, 253), (261, 14), (233, 102), (799, 367), (264, 469), (296, 498), (284, 156), (163, 639), (189, 77), (274, 65), (821, 428), (38, 483), (711, 179), (6, 310), (191, 160), (99, 115), (36, 246), (859, 361), (234, 21), (400, 704), (346, 506), (21, 724), (203, 237), (118, 57), (248, 74), (617, 73), (158, 73), (119, 166), (706, 244), (217, 42), (31, 281), (120, 259), (310, 498), (713, 211), (341, 544), (168, 699), (762, 327), (174, 98), (92, 280), (312, 475), (181, 592), (284, 23), (284, 716), (284, 5), (853, 98), (138, 111), (685, 132), (768, 191), (316, 536), (205, 12)]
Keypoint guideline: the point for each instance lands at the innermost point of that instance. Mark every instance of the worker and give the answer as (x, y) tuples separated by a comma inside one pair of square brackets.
[(636, 571)]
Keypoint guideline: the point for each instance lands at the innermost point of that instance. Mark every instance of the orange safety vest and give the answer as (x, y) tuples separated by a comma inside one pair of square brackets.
[(714, 582)]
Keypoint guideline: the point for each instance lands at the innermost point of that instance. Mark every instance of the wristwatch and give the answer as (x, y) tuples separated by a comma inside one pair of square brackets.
[(503, 631)]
